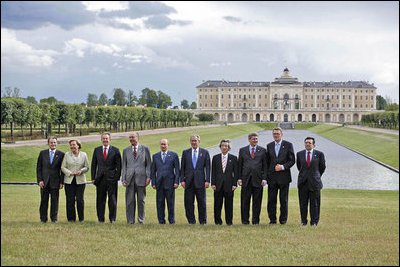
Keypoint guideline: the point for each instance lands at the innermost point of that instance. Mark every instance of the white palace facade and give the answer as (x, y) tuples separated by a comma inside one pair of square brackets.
[(286, 100)]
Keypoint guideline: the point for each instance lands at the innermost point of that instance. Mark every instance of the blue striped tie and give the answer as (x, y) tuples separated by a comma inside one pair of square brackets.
[(194, 158)]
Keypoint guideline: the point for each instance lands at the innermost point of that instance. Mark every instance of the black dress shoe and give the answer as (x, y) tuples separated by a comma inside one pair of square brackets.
[(303, 224), (54, 221), (283, 222), (272, 223)]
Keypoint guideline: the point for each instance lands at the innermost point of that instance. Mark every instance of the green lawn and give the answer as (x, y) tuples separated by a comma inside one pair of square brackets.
[(19, 163), (356, 228), (381, 146)]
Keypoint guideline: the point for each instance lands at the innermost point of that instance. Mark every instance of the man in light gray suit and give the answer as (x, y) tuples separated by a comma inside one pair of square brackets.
[(136, 166)]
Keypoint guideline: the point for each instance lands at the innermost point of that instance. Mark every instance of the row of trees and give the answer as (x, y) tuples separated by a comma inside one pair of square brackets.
[(149, 97), (387, 119), (18, 112)]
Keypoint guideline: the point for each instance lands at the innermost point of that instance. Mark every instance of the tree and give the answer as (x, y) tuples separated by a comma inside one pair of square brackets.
[(103, 100), (131, 98), (92, 100), (392, 107), (34, 115), (205, 117), (7, 91), (185, 104), (50, 100), (21, 113), (148, 97), (164, 100), (119, 97), (193, 105), (380, 102), (7, 110), (31, 100)]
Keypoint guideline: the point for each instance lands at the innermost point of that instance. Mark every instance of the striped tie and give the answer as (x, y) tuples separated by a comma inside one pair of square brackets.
[(223, 163)]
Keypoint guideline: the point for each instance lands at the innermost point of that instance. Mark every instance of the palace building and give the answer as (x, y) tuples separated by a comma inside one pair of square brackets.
[(286, 100)]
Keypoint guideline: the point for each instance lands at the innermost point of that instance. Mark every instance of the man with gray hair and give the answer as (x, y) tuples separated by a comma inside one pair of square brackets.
[(136, 164), (195, 178), (252, 178)]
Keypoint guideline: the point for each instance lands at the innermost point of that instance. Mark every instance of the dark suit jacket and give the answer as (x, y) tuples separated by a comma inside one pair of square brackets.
[(227, 179), (255, 168), (199, 175), (50, 173), (110, 169), (311, 174), (167, 172), (285, 158)]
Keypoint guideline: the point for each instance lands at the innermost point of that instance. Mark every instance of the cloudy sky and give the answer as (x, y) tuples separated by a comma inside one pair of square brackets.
[(70, 49)]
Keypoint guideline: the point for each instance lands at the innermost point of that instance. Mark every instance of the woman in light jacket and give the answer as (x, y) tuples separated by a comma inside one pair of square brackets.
[(75, 164)]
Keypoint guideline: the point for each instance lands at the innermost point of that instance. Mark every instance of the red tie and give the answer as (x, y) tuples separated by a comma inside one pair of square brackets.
[(105, 154), (252, 152), (134, 152), (308, 158)]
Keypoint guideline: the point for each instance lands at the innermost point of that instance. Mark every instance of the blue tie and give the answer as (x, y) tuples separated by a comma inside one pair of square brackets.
[(51, 157), (163, 157), (277, 149), (194, 158)]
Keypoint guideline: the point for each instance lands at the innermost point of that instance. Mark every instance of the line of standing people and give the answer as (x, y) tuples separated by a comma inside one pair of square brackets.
[(252, 170)]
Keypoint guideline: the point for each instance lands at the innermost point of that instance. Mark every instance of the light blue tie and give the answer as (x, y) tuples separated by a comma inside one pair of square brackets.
[(163, 157), (277, 149), (51, 157), (194, 158)]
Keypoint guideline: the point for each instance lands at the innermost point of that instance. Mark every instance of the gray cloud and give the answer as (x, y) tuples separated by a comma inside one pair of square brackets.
[(232, 19), (162, 22), (139, 9), (29, 15)]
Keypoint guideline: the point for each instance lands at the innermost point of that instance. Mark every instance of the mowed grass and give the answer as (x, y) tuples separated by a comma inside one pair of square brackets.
[(356, 228), (19, 163), (381, 146)]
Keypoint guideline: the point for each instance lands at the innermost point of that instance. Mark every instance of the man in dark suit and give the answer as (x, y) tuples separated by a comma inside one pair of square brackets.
[(106, 171), (311, 165), (223, 181), (280, 158), (165, 179), (195, 178), (50, 179), (252, 166)]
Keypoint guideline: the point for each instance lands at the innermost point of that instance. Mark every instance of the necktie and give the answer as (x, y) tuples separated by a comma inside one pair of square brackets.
[(194, 158), (163, 157), (51, 156), (308, 158), (105, 154), (277, 149), (134, 152), (252, 153), (223, 163)]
